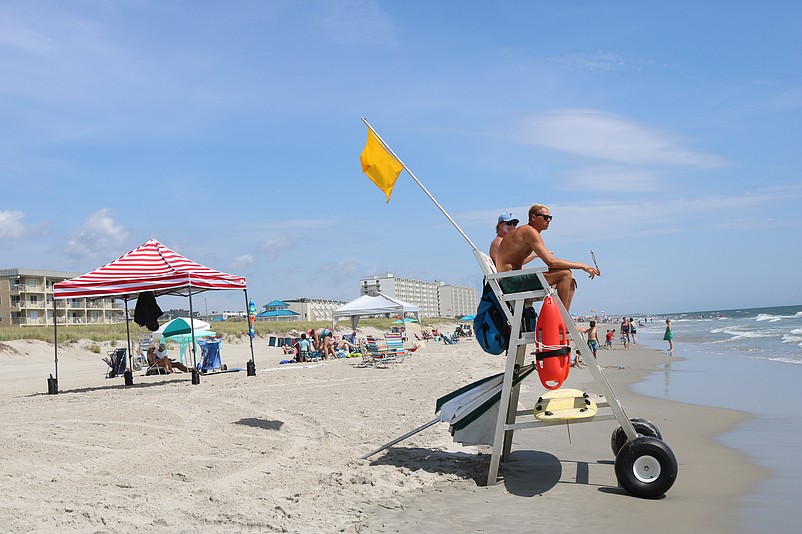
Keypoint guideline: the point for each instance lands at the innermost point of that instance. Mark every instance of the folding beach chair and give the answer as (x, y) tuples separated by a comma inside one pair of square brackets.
[(378, 356), (117, 362), (210, 350), (395, 345)]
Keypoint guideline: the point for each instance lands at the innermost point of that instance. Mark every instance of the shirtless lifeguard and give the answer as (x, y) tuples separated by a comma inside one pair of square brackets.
[(506, 224), (518, 244)]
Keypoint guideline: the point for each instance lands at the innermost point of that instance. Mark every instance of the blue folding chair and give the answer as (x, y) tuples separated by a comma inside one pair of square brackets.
[(117, 362), (210, 349)]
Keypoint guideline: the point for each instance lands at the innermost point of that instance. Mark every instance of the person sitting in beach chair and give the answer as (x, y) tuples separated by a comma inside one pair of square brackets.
[(345, 344), (448, 340), (157, 358)]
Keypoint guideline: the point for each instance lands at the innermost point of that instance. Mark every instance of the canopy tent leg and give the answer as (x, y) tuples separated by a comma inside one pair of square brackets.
[(195, 372), (251, 365), (52, 383), (128, 375)]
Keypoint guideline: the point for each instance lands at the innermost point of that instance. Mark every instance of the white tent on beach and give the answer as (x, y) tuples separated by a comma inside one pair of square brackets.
[(374, 304)]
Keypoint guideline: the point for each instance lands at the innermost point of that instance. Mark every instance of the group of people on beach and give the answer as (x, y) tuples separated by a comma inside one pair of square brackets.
[(320, 343)]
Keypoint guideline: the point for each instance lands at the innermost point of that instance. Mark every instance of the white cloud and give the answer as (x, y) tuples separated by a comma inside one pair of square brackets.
[(600, 61), (340, 268), (610, 178), (98, 238), (605, 136), (242, 260), (11, 225), (277, 246), (604, 221)]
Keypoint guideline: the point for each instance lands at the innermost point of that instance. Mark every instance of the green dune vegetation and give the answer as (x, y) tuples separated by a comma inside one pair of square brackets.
[(230, 329)]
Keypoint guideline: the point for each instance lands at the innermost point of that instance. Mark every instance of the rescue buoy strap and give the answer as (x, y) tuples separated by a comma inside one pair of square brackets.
[(550, 353)]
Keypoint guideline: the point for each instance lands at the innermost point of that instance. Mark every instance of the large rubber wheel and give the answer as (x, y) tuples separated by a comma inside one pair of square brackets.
[(646, 467), (644, 427)]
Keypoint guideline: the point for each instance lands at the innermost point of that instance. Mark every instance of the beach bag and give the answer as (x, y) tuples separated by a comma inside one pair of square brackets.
[(490, 324)]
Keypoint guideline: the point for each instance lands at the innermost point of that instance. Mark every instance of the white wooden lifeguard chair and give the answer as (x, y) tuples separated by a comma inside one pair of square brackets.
[(645, 466)]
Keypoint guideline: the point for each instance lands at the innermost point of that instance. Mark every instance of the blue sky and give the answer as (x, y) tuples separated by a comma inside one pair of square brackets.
[(663, 135)]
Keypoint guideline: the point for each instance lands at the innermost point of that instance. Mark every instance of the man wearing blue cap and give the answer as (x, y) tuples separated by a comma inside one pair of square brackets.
[(506, 224)]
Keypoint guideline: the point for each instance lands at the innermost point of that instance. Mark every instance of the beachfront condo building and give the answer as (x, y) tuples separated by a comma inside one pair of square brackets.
[(26, 299), (313, 309), (435, 299)]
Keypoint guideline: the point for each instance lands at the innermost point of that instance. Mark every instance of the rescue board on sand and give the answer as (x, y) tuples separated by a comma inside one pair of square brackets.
[(565, 404)]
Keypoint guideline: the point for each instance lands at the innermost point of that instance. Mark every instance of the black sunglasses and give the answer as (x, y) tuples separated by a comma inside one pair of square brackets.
[(546, 218), (510, 223)]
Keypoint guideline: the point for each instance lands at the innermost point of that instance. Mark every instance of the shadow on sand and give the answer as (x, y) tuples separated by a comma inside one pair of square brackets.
[(264, 424), (526, 474)]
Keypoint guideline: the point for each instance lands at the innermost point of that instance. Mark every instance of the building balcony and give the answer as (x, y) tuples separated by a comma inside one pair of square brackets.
[(28, 288), (28, 321)]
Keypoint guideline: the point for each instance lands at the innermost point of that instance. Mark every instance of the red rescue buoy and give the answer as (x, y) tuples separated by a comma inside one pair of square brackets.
[(553, 353)]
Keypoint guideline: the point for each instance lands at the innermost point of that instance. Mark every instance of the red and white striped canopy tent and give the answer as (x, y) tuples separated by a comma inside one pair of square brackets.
[(149, 267)]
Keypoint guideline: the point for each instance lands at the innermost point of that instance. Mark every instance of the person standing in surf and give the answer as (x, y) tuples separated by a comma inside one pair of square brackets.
[(669, 336)]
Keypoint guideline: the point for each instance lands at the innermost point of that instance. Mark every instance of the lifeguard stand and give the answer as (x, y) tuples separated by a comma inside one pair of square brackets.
[(645, 466)]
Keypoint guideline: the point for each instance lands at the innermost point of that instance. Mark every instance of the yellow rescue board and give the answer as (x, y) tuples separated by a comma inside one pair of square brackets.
[(565, 404)]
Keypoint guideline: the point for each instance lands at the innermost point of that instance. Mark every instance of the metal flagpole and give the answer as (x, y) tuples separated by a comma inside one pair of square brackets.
[(390, 150)]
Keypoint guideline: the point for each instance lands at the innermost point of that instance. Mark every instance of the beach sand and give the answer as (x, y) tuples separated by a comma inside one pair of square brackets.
[(278, 451)]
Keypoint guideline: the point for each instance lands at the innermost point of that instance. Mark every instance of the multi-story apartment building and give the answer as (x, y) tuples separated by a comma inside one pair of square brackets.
[(435, 299), (26, 299), (313, 309), (457, 301)]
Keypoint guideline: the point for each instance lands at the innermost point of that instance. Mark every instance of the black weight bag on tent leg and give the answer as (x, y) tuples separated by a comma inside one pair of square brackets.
[(490, 325)]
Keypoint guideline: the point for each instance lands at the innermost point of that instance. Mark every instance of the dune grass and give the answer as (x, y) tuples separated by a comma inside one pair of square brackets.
[(230, 329)]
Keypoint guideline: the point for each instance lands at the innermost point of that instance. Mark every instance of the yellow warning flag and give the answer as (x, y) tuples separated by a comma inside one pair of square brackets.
[(380, 166)]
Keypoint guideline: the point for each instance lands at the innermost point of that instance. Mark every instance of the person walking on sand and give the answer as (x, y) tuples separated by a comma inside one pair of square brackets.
[(625, 332), (506, 224), (592, 335), (669, 336), (517, 245), (633, 329)]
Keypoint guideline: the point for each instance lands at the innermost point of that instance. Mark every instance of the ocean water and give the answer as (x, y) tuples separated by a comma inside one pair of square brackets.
[(730, 358), (760, 333)]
